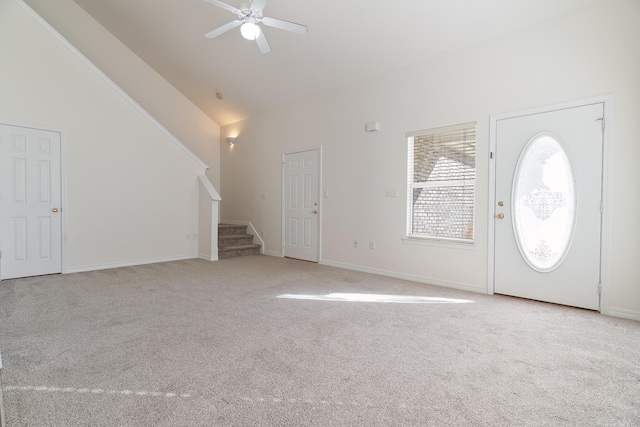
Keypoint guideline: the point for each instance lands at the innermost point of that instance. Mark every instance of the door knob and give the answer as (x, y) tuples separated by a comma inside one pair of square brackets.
[(314, 211), (500, 215), (54, 210)]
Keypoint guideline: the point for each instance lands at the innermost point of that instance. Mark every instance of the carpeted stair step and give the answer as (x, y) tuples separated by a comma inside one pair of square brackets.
[(231, 229), (239, 250), (235, 240)]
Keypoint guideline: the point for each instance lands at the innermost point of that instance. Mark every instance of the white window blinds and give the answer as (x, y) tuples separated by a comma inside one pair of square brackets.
[(441, 182)]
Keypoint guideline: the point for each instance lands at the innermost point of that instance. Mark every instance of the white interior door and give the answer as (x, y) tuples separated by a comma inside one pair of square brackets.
[(548, 195), (301, 205), (30, 191)]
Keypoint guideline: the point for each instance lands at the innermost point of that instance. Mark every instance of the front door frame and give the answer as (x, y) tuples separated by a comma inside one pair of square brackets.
[(320, 197), (604, 241), (63, 186)]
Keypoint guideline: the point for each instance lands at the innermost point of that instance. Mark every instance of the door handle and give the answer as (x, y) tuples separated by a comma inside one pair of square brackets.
[(314, 211), (500, 215), (54, 210)]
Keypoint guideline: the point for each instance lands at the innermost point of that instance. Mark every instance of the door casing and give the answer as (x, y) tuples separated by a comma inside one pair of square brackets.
[(605, 241)]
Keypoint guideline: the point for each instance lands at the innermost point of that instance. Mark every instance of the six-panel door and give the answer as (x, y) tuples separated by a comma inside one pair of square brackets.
[(30, 212)]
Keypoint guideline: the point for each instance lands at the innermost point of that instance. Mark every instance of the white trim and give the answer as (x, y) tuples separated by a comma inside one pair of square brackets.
[(320, 203), (607, 100), (63, 199), (605, 241), (452, 128), (624, 313), (421, 279), (130, 263), (110, 82), (208, 218), (256, 235), (467, 245), (274, 254), (206, 183), (207, 257), (437, 184)]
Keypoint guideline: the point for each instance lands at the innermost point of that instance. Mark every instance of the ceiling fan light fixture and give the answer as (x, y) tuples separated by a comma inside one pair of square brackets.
[(250, 31)]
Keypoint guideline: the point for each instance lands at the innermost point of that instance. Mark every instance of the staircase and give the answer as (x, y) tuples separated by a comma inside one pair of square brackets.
[(233, 240)]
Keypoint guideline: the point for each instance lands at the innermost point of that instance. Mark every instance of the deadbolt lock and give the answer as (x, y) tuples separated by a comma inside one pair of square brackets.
[(500, 203)]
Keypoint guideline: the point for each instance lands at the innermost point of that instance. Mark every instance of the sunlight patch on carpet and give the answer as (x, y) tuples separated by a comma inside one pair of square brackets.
[(398, 299)]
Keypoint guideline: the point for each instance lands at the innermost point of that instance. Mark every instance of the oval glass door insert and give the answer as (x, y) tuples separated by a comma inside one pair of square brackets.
[(543, 203)]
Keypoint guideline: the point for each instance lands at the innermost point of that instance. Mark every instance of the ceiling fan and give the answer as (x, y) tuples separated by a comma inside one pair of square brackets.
[(249, 19)]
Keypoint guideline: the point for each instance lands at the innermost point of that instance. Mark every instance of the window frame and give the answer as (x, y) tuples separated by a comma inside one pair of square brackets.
[(412, 238)]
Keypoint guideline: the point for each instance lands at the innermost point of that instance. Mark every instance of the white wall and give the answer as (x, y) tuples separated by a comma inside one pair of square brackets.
[(163, 101), (130, 192), (590, 53)]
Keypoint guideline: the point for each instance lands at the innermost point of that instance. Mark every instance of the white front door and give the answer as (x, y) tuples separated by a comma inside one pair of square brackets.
[(301, 205), (30, 195), (548, 195)]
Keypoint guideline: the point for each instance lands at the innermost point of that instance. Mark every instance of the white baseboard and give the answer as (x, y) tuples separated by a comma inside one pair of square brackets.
[(623, 313), (129, 263), (272, 253), (207, 257), (411, 277)]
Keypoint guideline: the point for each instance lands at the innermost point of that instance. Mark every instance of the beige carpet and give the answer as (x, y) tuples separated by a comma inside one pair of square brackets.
[(194, 343)]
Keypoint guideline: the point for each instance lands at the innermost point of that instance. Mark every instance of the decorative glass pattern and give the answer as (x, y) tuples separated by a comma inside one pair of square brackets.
[(544, 203)]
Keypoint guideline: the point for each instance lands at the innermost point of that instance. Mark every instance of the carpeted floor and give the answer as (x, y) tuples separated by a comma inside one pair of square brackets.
[(195, 343)]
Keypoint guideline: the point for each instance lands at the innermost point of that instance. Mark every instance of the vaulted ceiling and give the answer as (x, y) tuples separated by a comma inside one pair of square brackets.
[(348, 41)]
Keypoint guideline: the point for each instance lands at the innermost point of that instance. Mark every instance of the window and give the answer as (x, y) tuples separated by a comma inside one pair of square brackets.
[(441, 183)]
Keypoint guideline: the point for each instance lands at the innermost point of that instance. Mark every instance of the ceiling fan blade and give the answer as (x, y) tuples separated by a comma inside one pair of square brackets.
[(258, 5), (285, 25), (221, 30), (263, 44), (224, 6)]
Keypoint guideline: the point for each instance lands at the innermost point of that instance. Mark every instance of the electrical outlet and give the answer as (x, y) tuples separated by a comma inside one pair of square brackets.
[(194, 236), (262, 234), (188, 236), (263, 195), (355, 243), (372, 244), (392, 192)]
